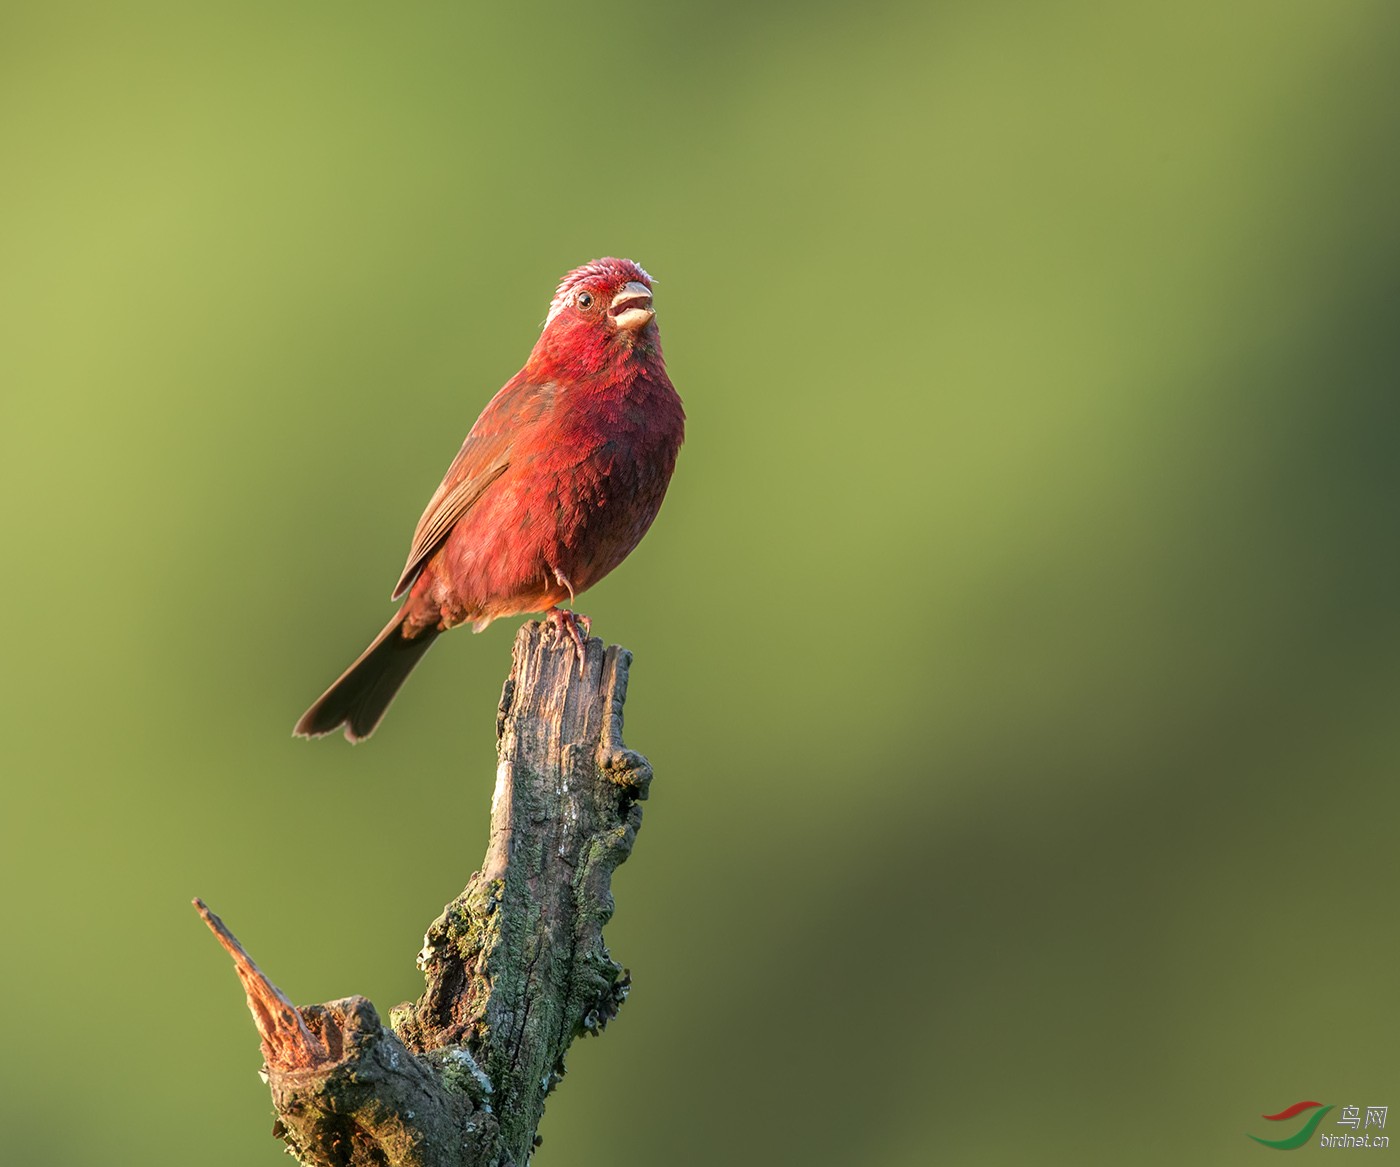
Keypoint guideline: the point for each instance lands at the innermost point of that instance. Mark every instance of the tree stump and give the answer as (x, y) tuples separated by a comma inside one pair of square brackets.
[(515, 966)]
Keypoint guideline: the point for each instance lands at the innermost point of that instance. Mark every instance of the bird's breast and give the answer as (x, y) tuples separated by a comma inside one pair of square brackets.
[(582, 487)]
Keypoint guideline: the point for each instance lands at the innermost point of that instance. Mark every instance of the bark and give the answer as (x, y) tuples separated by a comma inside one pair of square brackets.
[(515, 967)]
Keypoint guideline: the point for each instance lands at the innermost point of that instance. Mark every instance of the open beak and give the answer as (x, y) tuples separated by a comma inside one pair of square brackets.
[(631, 308)]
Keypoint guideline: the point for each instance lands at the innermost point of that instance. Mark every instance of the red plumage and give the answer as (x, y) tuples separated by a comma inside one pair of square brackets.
[(557, 482)]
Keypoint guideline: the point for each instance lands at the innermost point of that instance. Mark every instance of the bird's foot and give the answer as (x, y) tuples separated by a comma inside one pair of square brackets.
[(575, 626)]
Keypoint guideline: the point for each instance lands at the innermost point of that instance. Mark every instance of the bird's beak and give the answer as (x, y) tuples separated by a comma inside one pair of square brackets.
[(631, 308)]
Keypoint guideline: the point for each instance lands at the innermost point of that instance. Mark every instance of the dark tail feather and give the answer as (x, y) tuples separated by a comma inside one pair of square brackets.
[(363, 692)]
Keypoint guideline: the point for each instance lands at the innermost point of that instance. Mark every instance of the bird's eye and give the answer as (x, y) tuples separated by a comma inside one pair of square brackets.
[(585, 300)]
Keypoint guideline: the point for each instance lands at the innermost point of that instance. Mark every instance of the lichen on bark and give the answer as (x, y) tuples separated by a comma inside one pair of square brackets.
[(515, 967)]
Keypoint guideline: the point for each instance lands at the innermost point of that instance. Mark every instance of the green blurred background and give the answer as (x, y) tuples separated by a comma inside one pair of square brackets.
[(1017, 649)]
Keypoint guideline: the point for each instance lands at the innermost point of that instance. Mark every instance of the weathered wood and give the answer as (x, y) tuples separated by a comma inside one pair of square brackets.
[(515, 967)]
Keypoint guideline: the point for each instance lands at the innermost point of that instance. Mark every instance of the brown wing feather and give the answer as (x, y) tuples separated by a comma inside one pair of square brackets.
[(441, 516), (513, 413)]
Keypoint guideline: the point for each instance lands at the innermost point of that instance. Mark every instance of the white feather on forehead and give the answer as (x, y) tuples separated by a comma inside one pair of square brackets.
[(599, 268)]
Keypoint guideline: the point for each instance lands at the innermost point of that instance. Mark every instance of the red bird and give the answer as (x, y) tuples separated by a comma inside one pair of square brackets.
[(558, 480)]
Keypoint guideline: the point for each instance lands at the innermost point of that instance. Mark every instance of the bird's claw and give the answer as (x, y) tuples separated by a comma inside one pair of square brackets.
[(575, 626)]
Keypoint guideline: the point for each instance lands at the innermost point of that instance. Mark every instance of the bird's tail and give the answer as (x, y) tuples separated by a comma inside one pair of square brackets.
[(359, 698)]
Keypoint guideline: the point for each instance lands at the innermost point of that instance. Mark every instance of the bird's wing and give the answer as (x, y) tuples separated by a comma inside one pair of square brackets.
[(483, 458), (448, 505)]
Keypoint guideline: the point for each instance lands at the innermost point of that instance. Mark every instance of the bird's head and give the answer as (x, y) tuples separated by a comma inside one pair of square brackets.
[(601, 316)]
